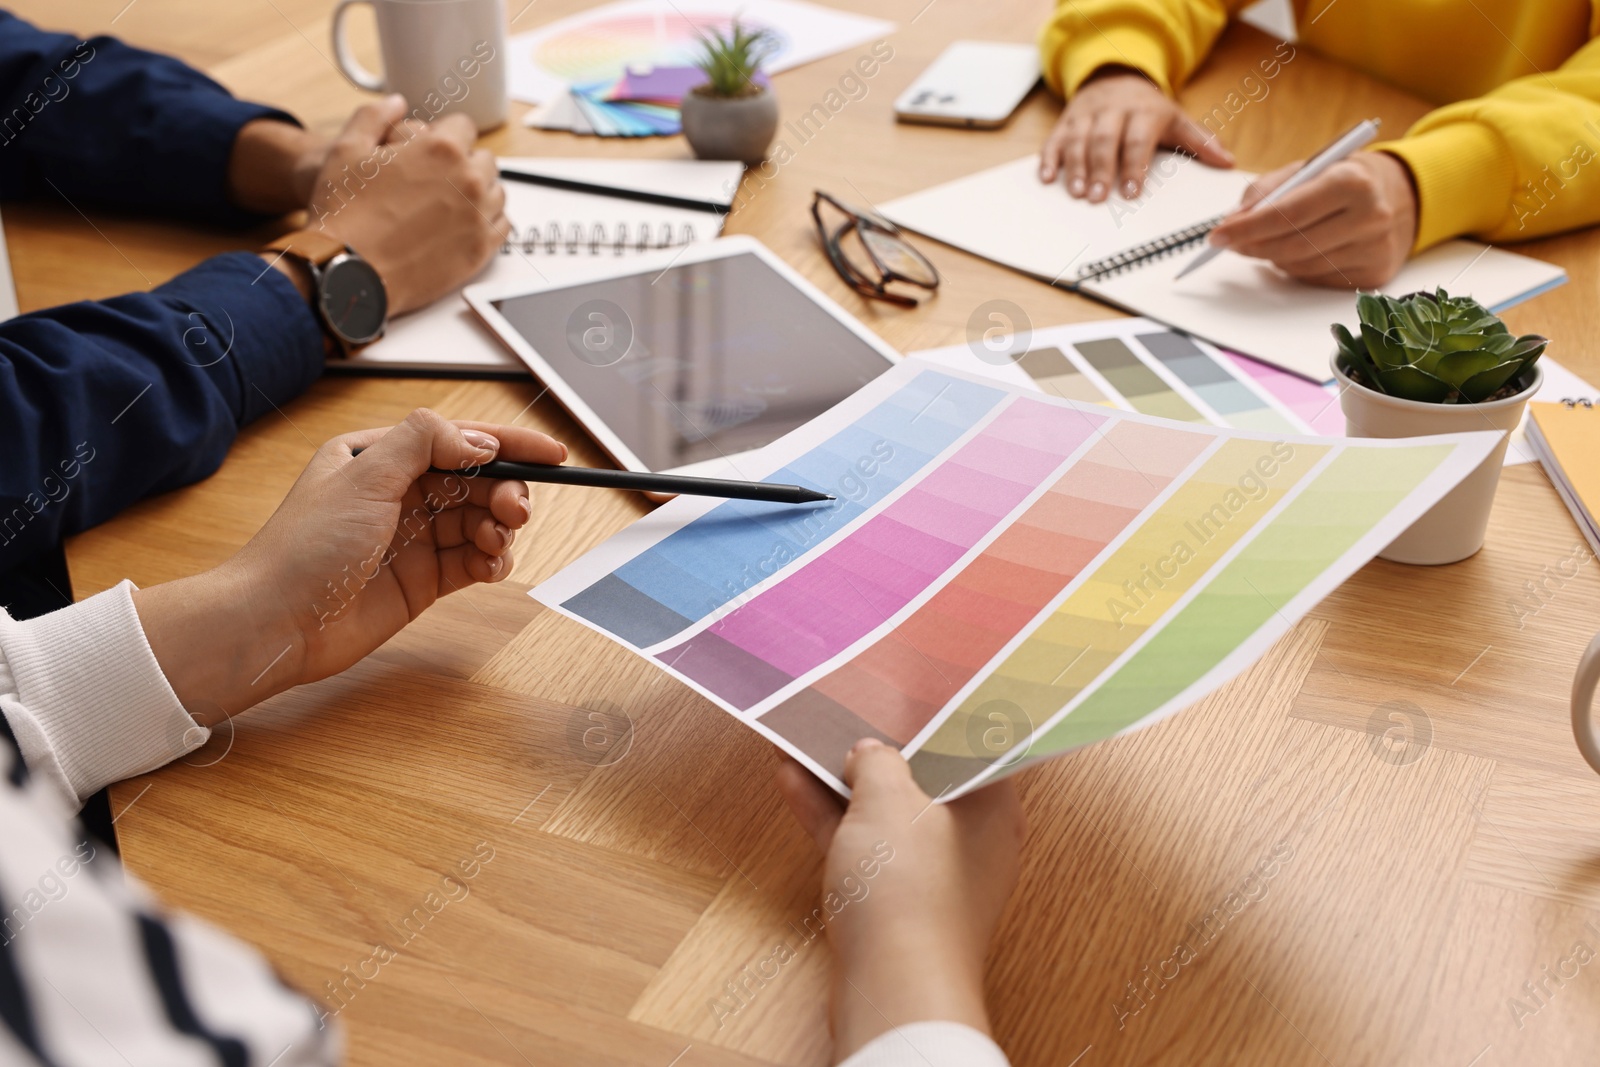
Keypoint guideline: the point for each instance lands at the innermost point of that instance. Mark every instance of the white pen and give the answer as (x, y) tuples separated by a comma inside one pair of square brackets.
[(1359, 136)]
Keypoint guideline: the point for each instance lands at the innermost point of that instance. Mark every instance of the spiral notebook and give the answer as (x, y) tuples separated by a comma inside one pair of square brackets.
[(570, 218), (1127, 253), (1566, 438)]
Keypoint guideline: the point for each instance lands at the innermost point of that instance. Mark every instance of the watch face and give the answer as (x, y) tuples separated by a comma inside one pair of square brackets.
[(354, 303)]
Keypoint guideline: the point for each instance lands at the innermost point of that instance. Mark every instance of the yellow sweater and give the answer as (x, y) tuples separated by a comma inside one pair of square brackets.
[(1513, 152)]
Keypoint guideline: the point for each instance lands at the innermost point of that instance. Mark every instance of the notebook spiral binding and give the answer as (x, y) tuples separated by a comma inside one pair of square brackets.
[(1139, 255), (572, 239), (1573, 402)]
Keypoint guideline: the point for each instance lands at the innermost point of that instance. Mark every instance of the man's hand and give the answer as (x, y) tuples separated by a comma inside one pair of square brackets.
[(910, 943), (360, 547), (1351, 227), (1110, 130), (273, 165), (414, 199)]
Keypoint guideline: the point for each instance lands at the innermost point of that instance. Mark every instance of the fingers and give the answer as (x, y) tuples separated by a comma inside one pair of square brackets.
[(878, 775), (483, 164), (816, 808), (1138, 148), (369, 125), (456, 127), (1184, 133), (466, 565), (1264, 184), (473, 526), (1103, 152), (494, 204), (521, 444), (505, 498), (400, 456), (1053, 155), (1075, 154), (1297, 213)]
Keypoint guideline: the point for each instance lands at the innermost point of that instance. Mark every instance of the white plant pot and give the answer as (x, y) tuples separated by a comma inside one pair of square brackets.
[(1453, 528)]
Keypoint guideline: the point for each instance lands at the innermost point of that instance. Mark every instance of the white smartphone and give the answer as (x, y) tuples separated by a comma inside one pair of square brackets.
[(972, 83)]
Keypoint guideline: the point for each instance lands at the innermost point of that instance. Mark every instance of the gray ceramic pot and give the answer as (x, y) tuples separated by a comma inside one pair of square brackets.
[(730, 127)]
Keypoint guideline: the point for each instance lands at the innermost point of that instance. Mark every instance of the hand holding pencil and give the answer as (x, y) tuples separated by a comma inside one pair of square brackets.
[(1350, 225)]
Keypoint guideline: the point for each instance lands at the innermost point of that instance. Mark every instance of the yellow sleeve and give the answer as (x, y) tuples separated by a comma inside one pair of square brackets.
[(1522, 161), (1164, 39)]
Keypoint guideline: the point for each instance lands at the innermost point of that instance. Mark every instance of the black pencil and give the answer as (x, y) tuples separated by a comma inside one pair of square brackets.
[(641, 195), (648, 483)]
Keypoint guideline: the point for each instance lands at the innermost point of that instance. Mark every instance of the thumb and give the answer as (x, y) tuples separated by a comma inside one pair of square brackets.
[(877, 776), (1202, 143), (369, 124), (425, 439)]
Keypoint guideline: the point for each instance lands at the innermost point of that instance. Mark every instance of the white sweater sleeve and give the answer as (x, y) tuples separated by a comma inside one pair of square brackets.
[(92, 972), (929, 1044), (85, 697)]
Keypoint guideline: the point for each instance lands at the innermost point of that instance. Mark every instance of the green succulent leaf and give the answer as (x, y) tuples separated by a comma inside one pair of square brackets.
[(1413, 384), (730, 60), (1383, 352), (1457, 367), (1528, 347), (1354, 353)]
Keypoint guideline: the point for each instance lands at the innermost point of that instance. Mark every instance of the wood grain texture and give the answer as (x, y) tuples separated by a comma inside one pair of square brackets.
[(1369, 842)]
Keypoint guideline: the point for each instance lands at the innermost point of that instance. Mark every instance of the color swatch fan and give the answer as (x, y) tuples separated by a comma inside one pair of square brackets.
[(1005, 575)]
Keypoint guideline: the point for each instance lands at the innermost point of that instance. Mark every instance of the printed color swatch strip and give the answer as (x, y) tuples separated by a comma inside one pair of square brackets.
[(721, 555), (835, 599), (895, 687), (1171, 552)]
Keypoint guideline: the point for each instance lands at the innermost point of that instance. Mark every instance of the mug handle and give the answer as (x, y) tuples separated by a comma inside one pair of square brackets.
[(1583, 687), (359, 76)]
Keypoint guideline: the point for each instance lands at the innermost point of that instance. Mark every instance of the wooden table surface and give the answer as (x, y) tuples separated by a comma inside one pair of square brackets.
[(1401, 759)]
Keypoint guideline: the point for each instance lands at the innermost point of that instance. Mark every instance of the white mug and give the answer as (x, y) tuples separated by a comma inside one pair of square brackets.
[(441, 55), (1583, 687)]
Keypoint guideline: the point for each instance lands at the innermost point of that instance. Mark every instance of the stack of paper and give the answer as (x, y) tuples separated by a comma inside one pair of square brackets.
[(1566, 438)]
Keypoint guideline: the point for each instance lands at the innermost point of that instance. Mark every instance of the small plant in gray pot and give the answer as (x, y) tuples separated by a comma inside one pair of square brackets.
[(733, 115), (1432, 363)]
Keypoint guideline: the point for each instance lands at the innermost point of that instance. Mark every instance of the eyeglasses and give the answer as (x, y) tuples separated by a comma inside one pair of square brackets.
[(869, 252)]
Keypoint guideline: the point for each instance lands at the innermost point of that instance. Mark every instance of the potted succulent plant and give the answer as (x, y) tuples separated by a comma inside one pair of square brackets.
[(734, 115), (1433, 363)]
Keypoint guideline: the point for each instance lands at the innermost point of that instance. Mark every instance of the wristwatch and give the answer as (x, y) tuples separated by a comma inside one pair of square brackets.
[(349, 296)]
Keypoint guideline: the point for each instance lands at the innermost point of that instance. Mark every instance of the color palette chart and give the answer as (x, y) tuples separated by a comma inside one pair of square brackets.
[(1006, 575), (1139, 365)]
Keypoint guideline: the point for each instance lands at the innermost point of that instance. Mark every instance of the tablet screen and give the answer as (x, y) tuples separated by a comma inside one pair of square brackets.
[(701, 360)]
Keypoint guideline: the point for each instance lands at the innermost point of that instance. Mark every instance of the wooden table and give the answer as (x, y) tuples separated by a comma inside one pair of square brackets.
[(636, 871)]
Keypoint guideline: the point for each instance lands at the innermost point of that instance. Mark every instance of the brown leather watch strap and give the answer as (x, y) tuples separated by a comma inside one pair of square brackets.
[(313, 246)]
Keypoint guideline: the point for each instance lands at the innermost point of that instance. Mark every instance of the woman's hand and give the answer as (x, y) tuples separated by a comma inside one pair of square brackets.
[(360, 547), (1351, 227), (924, 885), (1110, 130)]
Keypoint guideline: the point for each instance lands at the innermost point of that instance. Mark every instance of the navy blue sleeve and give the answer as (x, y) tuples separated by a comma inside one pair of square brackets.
[(98, 122), (103, 403)]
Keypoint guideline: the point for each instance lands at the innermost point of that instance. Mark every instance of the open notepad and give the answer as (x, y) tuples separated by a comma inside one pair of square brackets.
[(1128, 252), (571, 223)]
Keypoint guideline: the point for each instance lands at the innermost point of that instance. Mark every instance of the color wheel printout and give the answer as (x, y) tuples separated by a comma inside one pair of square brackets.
[(1004, 576)]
